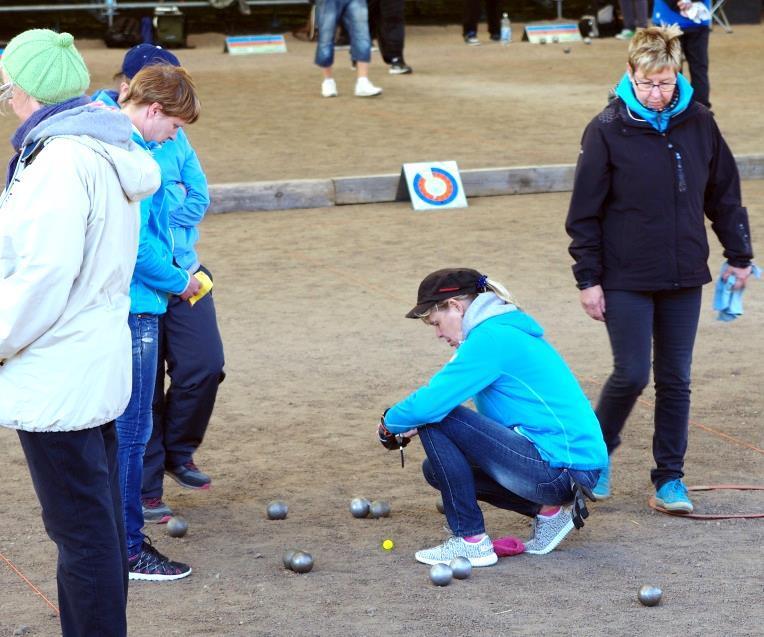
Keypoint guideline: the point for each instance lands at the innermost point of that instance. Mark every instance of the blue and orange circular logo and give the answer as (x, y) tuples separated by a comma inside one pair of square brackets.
[(438, 191)]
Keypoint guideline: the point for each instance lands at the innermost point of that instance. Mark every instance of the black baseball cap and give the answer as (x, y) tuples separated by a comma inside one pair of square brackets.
[(444, 284)]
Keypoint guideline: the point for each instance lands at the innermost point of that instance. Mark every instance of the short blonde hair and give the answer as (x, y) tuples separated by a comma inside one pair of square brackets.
[(169, 86), (656, 48)]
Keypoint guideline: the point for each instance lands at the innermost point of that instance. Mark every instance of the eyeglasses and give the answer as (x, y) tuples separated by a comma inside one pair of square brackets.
[(6, 92), (647, 86)]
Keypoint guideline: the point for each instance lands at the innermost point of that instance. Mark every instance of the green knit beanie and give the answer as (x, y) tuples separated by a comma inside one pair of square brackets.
[(46, 65)]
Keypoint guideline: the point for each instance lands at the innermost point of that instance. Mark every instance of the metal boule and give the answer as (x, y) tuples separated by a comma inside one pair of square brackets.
[(650, 595), (286, 559), (177, 526), (359, 507), (441, 574), (379, 509), (301, 562), (461, 567), (277, 510)]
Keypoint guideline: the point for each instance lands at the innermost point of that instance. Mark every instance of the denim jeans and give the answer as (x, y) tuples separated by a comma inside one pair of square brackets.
[(471, 457), (75, 476), (660, 326), (134, 426), (355, 15)]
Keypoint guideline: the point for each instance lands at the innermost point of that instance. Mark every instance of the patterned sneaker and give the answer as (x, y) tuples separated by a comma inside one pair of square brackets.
[(673, 497), (155, 511), (548, 532), (189, 476), (478, 553), (601, 490), (150, 565)]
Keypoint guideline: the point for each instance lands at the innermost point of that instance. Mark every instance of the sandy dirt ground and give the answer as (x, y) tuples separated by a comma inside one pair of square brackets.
[(311, 308)]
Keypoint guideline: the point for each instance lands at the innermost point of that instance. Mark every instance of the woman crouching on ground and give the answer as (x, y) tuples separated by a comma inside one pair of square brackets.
[(534, 437)]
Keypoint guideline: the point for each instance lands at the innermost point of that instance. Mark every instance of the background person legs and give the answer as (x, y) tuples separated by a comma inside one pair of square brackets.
[(387, 23), (695, 48), (76, 478)]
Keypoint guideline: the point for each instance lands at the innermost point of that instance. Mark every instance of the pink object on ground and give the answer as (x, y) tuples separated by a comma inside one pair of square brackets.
[(508, 546)]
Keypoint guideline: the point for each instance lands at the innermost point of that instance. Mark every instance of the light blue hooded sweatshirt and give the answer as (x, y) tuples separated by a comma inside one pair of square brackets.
[(516, 379), (155, 276)]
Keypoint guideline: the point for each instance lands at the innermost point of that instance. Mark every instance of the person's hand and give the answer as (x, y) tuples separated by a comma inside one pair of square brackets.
[(191, 289), (741, 275), (593, 302), (683, 5)]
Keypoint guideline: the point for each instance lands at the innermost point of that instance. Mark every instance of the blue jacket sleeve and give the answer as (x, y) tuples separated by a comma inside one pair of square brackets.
[(473, 368), (188, 198), (150, 268)]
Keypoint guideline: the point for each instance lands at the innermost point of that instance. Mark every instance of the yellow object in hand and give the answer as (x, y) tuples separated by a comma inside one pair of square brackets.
[(388, 545), (206, 286)]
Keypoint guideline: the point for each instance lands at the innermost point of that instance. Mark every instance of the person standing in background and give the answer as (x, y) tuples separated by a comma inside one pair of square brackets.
[(634, 14), (472, 17), (386, 21)]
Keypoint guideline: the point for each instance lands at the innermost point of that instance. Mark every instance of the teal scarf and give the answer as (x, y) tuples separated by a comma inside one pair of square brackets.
[(659, 120)]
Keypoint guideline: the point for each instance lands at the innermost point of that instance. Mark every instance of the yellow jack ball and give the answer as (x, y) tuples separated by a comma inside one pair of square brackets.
[(388, 545)]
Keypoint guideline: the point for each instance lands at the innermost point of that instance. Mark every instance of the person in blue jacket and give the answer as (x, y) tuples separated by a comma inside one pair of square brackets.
[(694, 19), (534, 440), (190, 347), (160, 100)]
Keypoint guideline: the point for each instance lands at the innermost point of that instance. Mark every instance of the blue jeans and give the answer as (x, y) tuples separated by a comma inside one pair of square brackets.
[(75, 476), (657, 326), (134, 426), (355, 15), (471, 457)]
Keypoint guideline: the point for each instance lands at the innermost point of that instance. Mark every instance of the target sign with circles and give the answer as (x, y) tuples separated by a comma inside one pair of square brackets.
[(434, 185)]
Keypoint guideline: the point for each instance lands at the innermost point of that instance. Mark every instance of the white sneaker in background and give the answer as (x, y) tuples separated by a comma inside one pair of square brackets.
[(329, 88), (364, 88)]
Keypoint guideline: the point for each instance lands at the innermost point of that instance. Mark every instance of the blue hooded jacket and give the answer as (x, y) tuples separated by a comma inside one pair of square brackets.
[(155, 276), (665, 12), (659, 120), (516, 379)]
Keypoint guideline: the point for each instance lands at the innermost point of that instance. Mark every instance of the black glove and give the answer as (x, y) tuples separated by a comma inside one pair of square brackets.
[(388, 440)]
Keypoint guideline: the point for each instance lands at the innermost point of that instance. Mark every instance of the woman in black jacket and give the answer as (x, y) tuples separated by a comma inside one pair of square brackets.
[(652, 163)]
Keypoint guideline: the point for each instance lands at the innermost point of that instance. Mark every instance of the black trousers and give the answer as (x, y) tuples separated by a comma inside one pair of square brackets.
[(76, 478), (386, 23), (472, 16), (658, 327), (191, 348), (695, 47)]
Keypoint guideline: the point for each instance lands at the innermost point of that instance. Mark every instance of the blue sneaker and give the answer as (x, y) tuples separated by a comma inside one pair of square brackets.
[(601, 490), (673, 497)]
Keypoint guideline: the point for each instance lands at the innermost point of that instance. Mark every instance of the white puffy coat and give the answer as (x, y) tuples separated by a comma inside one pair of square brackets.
[(68, 240)]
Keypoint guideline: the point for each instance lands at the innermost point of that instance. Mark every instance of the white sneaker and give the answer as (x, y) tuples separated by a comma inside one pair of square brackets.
[(548, 532), (478, 553), (329, 88), (364, 88)]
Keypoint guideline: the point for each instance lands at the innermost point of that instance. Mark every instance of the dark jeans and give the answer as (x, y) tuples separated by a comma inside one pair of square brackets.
[(634, 13), (76, 478), (191, 346), (471, 457), (695, 48), (472, 16), (386, 21), (666, 323)]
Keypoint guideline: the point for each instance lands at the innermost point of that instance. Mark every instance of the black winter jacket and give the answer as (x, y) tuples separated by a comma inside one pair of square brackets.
[(636, 213)]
